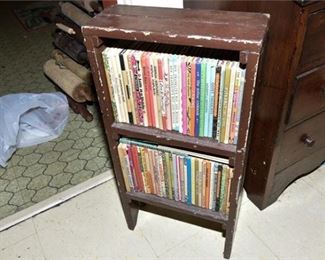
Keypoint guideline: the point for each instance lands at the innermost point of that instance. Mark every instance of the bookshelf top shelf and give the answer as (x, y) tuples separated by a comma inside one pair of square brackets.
[(203, 28)]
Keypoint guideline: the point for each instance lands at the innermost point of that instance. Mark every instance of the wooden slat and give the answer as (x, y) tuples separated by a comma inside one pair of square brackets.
[(199, 144), (178, 207), (231, 30)]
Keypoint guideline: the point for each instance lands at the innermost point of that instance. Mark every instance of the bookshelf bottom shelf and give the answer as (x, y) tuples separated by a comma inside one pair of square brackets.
[(178, 206)]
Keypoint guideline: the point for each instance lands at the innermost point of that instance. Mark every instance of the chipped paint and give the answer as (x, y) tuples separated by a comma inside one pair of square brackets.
[(199, 37), (146, 33), (238, 186), (98, 71), (127, 31), (108, 29), (228, 40), (172, 35)]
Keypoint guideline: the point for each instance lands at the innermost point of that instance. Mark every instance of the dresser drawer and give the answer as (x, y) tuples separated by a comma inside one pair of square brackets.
[(314, 44), (309, 96), (301, 141)]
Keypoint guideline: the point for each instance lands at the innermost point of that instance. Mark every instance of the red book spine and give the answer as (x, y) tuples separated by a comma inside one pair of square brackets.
[(136, 94), (148, 88), (137, 168)]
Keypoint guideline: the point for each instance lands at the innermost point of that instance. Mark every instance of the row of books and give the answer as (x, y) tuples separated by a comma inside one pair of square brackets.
[(191, 95), (179, 175)]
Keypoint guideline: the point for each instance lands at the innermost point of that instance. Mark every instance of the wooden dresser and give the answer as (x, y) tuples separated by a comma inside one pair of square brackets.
[(288, 136)]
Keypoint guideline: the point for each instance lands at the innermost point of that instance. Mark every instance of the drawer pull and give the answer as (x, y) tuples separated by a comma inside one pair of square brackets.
[(307, 140)]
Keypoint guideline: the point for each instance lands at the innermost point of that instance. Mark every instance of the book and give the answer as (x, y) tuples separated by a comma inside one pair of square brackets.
[(225, 101), (220, 100), (175, 98), (240, 100), (189, 104), (197, 95), (167, 95), (216, 100), (124, 162), (202, 96), (193, 154), (121, 96), (233, 70), (107, 67), (208, 184), (148, 89), (141, 97), (189, 179), (184, 105), (211, 96), (137, 168), (126, 88), (207, 104), (192, 101), (234, 107), (131, 85)]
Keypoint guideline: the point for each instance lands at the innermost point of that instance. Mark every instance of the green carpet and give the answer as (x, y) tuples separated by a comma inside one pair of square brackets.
[(36, 173)]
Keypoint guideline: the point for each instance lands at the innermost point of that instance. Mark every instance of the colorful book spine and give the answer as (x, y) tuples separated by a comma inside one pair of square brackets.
[(233, 70), (124, 162), (108, 72), (120, 86), (193, 97), (207, 97), (202, 97), (174, 93), (175, 176), (208, 185), (193, 174), (126, 86), (179, 73), (156, 92), (131, 86), (148, 89), (167, 93), (211, 97), (133, 176), (141, 97), (189, 104), (137, 168), (240, 100), (225, 101), (171, 193), (216, 100), (189, 180), (234, 107), (220, 102), (197, 96), (184, 106)]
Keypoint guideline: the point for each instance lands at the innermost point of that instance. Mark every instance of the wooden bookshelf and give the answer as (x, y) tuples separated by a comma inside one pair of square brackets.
[(233, 32)]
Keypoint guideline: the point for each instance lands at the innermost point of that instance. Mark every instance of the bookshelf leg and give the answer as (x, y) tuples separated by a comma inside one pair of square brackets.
[(228, 243), (131, 215)]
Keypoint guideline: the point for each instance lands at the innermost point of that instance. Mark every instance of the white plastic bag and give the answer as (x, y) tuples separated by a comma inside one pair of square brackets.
[(30, 119)]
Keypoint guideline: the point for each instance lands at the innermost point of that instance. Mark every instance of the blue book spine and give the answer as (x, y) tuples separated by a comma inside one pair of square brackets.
[(189, 180), (197, 96), (202, 95), (211, 96), (207, 98)]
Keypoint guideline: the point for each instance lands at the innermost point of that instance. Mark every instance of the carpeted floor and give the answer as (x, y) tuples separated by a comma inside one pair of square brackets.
[(36, 173)]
